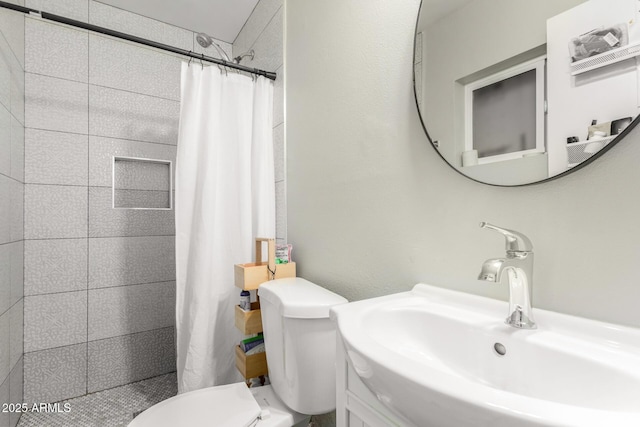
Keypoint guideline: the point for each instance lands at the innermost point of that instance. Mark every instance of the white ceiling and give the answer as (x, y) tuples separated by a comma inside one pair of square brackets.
[(221, 19)]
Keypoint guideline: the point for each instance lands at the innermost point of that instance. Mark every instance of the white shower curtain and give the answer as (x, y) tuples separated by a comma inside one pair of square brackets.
[(225, 197)]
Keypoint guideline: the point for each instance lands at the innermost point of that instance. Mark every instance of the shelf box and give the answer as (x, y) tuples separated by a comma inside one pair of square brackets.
[(249, 322), (285, 270), (251, 275), (576, 153), (251, 366)]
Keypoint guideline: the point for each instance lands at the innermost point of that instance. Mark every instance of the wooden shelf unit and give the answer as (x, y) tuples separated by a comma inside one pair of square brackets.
[(250, 276)]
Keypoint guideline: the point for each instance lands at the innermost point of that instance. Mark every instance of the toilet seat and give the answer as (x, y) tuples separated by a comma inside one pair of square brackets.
[(233, 405)]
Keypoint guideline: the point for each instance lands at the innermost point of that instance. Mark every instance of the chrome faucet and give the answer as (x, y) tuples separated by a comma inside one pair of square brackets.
[(519, 267)]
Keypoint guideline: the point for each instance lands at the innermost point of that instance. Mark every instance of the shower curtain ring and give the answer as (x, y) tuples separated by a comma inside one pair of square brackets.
[(190, 58), (201, 63)]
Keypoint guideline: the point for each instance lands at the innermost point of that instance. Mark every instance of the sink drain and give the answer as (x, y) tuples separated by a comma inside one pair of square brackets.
[(500, 349)]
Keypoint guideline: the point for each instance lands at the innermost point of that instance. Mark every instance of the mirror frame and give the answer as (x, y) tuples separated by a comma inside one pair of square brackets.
[(585, 163)]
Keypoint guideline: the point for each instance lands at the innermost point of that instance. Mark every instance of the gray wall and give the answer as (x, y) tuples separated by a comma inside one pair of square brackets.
[(11, 210), (99, 283), (373, 210), (263, 32)]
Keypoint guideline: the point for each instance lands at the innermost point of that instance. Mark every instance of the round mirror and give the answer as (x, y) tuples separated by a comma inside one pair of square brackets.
[(515, 92)]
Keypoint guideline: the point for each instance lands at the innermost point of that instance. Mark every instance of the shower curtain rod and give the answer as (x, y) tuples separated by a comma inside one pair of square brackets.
[(61, 19)]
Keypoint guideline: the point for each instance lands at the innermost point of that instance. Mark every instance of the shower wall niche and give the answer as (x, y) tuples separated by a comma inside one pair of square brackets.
[(142, 183), (99, 306)]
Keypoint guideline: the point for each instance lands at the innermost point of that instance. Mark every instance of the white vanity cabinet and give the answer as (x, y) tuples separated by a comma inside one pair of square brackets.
[(356, 405)]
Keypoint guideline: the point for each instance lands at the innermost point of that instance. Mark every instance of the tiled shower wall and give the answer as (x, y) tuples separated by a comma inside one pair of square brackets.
[(11, 210), (99, 306), (263, 32)]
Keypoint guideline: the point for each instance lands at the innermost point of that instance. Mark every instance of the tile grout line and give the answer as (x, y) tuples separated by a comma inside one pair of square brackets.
[(137, 236), (11, 47), (33, 73), (10, 307), (13, 241), (89, 135), (86, 383), (90, 289), (91, 186), (265, 28), (24, 193), (11, 178), (161, 328)]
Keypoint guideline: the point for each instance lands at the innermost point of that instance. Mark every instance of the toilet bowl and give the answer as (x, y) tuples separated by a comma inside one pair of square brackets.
[(300, 344)]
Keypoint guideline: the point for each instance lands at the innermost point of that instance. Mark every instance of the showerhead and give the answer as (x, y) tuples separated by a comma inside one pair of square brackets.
[(205, 40)]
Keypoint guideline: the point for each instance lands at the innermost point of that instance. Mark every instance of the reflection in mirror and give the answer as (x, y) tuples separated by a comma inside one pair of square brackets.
[(513, 92)]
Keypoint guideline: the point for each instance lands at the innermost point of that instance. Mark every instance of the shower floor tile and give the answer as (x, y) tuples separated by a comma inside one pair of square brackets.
[(115, 407)]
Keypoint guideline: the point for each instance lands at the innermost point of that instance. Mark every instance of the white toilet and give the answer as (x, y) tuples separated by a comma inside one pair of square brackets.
[(300, 341)]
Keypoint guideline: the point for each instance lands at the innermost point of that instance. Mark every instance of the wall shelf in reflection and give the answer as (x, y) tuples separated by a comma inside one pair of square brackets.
[(607, 58), (578, 152)]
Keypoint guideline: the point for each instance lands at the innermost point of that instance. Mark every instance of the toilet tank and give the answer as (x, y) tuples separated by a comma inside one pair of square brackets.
[(300, 342)]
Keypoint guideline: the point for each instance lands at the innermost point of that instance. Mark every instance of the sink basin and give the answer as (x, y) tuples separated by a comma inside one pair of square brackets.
[(436, 357)]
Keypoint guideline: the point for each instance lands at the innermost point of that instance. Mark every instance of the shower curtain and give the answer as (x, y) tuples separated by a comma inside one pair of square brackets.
[(225, 197)]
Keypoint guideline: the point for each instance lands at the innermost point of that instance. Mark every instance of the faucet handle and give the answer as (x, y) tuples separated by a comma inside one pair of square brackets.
[(515, 241)]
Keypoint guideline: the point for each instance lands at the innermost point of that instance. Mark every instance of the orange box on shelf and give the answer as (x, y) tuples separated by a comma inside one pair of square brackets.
[(249, 322), (250, 275), (285, 270), (251, 366)]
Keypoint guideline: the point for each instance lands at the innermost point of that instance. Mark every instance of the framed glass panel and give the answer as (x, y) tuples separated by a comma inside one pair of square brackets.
[(504, 113)]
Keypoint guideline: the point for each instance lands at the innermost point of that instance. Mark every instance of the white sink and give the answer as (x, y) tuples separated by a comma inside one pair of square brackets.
[(429, 356)]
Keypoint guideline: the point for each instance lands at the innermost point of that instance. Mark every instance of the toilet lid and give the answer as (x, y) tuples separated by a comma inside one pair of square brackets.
[(230, 405)]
